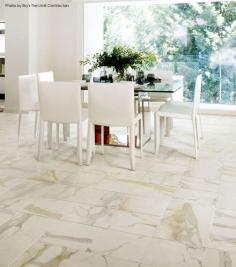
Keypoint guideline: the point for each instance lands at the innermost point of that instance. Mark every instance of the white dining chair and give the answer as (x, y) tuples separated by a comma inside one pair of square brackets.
[(48, 76), (112, 105), (28, 99), (180, 110), (60, 102)]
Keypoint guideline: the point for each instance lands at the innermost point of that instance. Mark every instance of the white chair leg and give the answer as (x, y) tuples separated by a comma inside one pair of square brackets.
[(40, 139), (19, 125), (132, 148), (197, 132), (141, 137), (157, 133), (162, 127), (168, 126), (199, 120), (102, 139), (57, 134), (89, 142), (93, 140), (50, 135), (79, 143), (36, 124), (143, 115), (66, 131), (195, 137)]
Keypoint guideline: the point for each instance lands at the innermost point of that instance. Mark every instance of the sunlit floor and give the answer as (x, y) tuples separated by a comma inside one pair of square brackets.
[(173, 211)]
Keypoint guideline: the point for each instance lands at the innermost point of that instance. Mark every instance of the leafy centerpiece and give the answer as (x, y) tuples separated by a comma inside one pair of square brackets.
[(120, 58)]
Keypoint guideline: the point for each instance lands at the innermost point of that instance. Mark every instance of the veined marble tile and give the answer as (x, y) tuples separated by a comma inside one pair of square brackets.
[(24, 189), (6, 215), (211, 168), (6, 183), (134, 250), (16, 235), (108, 213), (219, 258), (50, 176), (196, 196), (138, 188), (229, 173), (186, 223), (202, 184), (129, 222), (227, 196), (104, 217), (89, 238), (55, 209), (141, 204), (13, 172), (43, 254), (224, 230), (84, 178), (170, 254)]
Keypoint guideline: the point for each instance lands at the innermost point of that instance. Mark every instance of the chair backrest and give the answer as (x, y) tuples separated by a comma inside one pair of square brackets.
[(46, 76), (60, 101), (28, 92), (111, 104), (197, 94)]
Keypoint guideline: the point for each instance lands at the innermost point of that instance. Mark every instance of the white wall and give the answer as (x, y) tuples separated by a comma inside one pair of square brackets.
[(42, 39), (40, 43), (64, 42), (1, 9), (55, 41), (16, 53)]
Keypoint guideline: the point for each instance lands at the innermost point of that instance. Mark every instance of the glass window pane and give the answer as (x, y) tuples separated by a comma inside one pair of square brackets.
[(188, 38)]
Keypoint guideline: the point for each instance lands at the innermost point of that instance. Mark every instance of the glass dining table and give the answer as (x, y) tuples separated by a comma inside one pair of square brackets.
[(144, 94)]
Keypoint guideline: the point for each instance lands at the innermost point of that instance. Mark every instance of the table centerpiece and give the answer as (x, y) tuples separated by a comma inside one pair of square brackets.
[(121, 59)]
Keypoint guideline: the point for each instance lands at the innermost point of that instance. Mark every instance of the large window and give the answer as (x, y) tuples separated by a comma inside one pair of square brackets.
[(187, 37)]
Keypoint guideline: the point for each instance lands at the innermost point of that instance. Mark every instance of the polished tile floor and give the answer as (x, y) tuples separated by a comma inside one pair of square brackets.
[(173, 211)]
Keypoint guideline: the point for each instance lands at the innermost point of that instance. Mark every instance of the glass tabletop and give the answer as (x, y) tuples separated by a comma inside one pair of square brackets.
[(159, 87), (169, 87)]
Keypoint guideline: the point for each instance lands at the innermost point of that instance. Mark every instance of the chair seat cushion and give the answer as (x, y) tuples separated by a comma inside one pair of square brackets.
[(173, 108)]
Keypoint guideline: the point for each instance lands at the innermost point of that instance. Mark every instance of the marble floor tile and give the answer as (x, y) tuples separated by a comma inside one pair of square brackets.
[(104, 217), (171, 254), (187, 223), (196, 196), (219, 258), (126, 202), (16, 235), (173, 211), (224, 226), (43, 254)]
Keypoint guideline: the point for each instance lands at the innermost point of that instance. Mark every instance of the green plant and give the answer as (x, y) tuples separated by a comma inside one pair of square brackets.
[(120, 58)]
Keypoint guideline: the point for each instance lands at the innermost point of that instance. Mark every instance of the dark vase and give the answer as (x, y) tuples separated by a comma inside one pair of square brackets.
[(140, 77)]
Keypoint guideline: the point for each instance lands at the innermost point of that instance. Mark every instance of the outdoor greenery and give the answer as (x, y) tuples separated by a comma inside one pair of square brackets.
[(188, 37), (120, 58)]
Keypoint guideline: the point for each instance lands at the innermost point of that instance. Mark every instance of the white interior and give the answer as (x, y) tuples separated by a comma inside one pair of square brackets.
[(54, 39)]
